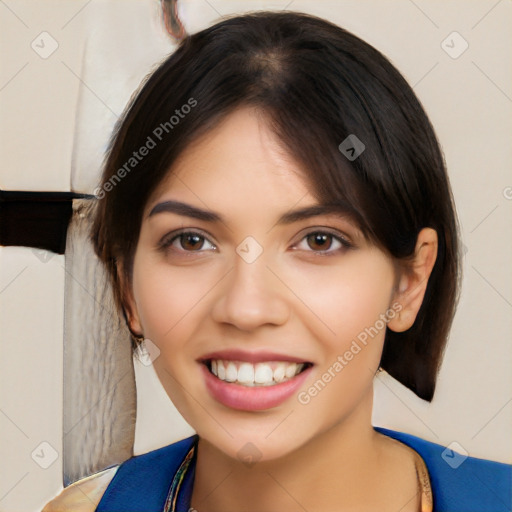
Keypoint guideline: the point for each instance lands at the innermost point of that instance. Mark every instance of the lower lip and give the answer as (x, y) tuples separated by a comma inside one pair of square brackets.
[(255, 398)]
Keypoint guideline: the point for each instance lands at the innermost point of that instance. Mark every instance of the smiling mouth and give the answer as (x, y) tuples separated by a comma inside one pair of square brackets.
[(247, 374)]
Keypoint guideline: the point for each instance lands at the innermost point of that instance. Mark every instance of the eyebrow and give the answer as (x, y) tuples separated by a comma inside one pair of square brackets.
[(340, 209)]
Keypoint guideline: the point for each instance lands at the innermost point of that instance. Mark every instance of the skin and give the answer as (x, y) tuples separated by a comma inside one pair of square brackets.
[(192, 298)]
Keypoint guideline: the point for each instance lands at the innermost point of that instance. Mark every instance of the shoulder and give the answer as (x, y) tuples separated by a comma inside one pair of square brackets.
[(164, 459), (142, 482), (459, 481), (133, 478), (83, 495)]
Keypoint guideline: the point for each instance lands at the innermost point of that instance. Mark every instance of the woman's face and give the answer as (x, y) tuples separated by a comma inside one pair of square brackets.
[(259, 289)]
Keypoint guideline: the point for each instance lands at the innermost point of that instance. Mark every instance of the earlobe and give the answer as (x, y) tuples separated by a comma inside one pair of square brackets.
[(412, 284), (128, 301), (133, 319)]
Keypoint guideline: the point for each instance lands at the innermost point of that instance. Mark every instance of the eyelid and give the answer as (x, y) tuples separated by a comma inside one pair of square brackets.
[(166, 241), (344, 239)]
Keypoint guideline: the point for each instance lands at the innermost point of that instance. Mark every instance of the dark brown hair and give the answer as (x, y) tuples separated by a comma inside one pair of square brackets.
[(317, 84)]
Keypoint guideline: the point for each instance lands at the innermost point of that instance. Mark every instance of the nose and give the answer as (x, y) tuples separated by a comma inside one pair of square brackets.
[(252, 296)]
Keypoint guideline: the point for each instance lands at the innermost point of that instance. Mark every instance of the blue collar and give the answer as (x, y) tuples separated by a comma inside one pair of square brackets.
[(459, 483)]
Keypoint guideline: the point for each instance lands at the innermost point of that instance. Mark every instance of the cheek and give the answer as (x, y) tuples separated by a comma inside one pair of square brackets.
[(343, 300), (347, 302), (166, 297)]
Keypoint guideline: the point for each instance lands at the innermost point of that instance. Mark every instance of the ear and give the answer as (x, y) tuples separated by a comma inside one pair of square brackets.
[(412, 284), (128, 302)]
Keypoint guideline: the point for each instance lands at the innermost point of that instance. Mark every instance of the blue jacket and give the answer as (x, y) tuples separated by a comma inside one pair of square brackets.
[(459, 484)]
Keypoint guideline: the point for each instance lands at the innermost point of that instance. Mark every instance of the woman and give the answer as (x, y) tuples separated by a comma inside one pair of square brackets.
[(277, 220)]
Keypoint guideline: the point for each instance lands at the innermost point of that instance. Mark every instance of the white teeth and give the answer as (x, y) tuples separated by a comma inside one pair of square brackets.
[(221, 372), (279, 372), (246, 373), (260, 374), (231, 372), (290, 371), (263, 373)]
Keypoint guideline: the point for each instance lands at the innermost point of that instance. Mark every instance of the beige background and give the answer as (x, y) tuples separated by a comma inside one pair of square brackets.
[(57, 114)]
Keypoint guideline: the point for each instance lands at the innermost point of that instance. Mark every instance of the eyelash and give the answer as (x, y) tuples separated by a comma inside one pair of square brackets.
[(166, 243)]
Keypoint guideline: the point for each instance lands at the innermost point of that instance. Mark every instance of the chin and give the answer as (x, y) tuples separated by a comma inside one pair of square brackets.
[(250, 448)]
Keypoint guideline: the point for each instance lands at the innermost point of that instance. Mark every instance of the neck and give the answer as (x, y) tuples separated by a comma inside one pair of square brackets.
[(344, 458)]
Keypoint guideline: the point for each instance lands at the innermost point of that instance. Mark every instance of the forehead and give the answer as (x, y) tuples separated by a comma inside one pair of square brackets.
[(240, 159)]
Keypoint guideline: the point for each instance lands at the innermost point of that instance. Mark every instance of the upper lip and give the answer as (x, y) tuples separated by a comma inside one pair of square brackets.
[(250, 357)]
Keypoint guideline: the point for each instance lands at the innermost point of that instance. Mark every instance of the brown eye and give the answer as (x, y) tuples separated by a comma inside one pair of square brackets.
[(191, 241), (319, 241), (186, 241), (324, 243)]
